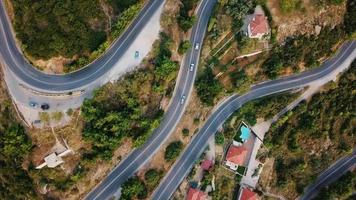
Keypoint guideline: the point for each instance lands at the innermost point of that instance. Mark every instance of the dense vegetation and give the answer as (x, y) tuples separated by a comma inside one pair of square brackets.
[(309, 49), (118, 27), (314, 134), (185, 18), (135, 188), (343, 188), (129, 108), (173, 150), (53, 28), (238, 9), (14, 147), (208, 87), (67, 28)]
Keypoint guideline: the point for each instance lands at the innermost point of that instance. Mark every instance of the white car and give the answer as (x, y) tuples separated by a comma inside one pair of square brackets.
[(191, 68), (182, 99), (196, 46)]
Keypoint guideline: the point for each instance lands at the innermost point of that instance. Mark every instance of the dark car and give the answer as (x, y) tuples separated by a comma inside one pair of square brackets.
[(45, 106)]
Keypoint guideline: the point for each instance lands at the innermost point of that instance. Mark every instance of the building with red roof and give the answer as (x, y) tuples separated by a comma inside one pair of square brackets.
[(195, 194), (247, 194), (258, 24), (207, 164), (236, 156)]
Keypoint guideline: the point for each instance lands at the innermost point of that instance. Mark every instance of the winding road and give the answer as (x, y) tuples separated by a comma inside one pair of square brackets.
[(183, 165), (184, 86), (31, 77), (330, 175), (39, 81)]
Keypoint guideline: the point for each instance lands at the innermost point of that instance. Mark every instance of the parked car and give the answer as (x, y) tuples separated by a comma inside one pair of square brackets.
[(191, 68), (182, 99), (45, 106), (33, 104), (37, 121), (137, 54)]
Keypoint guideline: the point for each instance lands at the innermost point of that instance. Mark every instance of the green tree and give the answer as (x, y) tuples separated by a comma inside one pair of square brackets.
[(208, 88), (133, 188), (173, 150), (184, 46), (152, 178)]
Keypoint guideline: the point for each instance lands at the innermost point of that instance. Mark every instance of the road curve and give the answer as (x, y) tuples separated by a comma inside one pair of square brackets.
[(334, 172), (40, 81), (182, 166), (130, 165)]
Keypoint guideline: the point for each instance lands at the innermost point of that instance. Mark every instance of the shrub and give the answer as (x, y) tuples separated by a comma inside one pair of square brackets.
[(184, 46), (173, 150)]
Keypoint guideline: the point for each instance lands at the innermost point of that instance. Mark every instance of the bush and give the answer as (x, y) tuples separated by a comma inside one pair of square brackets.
[(185, 20), (152, 178), (219, 138), (289, 5), (184, 46), (185, 132), (133, 188), (173, 150)]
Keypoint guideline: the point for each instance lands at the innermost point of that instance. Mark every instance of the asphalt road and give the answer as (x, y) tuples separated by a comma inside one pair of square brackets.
[(183, 165), (330, 175), (39, 81), (130, 165)]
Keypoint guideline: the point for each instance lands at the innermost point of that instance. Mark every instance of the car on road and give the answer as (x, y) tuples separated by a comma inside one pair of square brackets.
[(182, 99), (33, 104), (197, 46), (191, 68), (45, 106)]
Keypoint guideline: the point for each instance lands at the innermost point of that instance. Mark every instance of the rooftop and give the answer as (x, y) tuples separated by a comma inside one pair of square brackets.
[(258, 25), (195, 194), (247, 194), (236, 155)]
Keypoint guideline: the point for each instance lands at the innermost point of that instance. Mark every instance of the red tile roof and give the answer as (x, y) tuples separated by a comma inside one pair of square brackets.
[(206, 164), (258, 25), (247, 194), (236, 155), (194, 194)]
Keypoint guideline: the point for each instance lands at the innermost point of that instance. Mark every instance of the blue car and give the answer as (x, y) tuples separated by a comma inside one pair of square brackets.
[(33, 104), (137, 54)]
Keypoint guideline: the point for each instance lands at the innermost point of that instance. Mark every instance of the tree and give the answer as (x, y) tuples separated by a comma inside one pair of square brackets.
[(133, 188), (173, 150), (185, 132), (184, 46), (219, 138), (152, 178), (208, 87)]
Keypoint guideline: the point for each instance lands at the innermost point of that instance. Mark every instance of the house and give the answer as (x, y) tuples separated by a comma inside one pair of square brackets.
[(247, 194), (257, 24), (195, 194), (53, 160), (236, 156), (206, 164)]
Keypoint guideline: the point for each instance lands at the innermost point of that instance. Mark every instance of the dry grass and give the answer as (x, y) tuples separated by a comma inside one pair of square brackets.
[(303, 21)]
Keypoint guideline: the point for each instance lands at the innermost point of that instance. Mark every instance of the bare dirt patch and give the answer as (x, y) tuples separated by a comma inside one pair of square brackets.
[(54, 65), (305, 20)]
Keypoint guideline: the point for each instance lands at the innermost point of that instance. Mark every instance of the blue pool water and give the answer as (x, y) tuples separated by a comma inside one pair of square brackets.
[(245, 133)]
